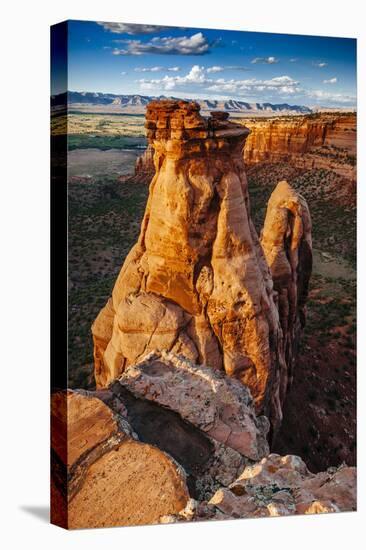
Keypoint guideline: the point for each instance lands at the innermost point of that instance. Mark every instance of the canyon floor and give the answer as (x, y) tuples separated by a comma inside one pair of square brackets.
[(104, 220)]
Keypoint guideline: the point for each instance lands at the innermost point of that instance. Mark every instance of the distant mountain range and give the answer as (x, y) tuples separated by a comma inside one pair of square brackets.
[(135, 104)]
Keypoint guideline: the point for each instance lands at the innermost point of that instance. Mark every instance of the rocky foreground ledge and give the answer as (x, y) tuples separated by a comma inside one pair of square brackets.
[(174, 441)]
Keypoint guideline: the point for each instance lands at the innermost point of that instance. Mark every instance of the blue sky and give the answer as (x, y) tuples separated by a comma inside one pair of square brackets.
[(205, 63)]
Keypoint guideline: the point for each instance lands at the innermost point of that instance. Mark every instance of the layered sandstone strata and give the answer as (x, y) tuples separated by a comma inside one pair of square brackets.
[(144, 166), (197, 283), (322, 141)]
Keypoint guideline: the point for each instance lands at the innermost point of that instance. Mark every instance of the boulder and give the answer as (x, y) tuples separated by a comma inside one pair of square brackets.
[(218, 405), (132, 485), (198, 415), (276, 486), (101, 475), (282, 485)]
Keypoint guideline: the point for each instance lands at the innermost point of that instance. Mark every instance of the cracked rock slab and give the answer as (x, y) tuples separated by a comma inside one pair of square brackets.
[(102, 476), (218, 405)]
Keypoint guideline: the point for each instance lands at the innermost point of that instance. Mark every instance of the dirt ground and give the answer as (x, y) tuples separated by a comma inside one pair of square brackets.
[(89, 163)]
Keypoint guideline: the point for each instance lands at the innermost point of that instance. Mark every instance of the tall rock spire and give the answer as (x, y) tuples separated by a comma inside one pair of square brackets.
[(196, 283)]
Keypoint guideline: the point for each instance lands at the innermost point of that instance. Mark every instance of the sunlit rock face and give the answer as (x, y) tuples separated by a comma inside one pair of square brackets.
[(197, 282), (102, 475), (278, 486), (287, 246), (326, 141)]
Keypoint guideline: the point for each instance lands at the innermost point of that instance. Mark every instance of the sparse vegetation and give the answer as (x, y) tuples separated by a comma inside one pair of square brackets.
[(91, 141), (104, 222)]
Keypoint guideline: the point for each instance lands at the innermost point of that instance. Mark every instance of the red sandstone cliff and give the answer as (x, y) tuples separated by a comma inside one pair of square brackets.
[(144, 166), (322, 141), (172, 439)]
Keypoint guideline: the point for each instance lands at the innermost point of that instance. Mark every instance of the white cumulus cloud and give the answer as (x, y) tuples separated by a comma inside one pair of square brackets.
[(156, 69), (334, 98), (330, 80), (199, 78), (183, 45), (220, 69), (266, 60), (131, 28)]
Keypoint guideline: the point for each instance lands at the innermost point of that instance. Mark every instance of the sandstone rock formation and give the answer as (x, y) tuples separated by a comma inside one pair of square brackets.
[(167, 430), (277, 486), (197, 283), (132, 459), (324, 141), (218, 405), (287, 246), (202, 418), (109, 478), (128, 486), (144, 166), (82, 430), (282, 485)]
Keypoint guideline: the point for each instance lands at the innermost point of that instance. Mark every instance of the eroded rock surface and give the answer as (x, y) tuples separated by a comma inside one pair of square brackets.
[(282, 485), (101, 475), (172, 441), (287, 246), (218, 405), (144, 167), (196, 283), (325, 141), (277, 486), (202, 418), (131, 485)]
